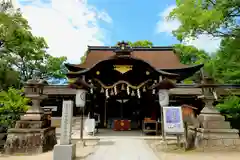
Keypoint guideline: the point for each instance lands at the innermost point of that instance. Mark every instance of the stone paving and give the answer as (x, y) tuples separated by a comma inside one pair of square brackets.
[(126, 147), (123, 149), (129, 149)]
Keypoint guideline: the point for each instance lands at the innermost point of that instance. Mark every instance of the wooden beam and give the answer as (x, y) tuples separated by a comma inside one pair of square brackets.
[(183, 90)]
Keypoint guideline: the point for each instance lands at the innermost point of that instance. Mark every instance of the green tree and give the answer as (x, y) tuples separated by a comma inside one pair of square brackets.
[(216, 17), (141, 43), (190, 54), (25, 52), (13, 104), (8, 76), (83, 58), (225, 65)]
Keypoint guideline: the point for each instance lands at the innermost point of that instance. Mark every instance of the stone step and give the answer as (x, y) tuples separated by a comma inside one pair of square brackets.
[(216, 124)]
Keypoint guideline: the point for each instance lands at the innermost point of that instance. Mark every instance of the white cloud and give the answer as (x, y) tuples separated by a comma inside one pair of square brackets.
[(67, 25), (205, 42), (165, 25)]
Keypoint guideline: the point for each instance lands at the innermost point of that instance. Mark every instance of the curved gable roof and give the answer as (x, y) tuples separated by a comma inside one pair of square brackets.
[(158, 57)]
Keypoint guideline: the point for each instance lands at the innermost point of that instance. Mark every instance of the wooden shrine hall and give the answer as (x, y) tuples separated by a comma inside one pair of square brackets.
[(123, 82)]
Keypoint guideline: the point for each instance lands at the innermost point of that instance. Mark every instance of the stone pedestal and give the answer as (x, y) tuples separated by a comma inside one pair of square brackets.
[(214, 133), (30, 141)]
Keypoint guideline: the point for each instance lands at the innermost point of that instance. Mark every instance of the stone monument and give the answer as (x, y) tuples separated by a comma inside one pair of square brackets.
[(214, 133), (65, 150), (32, 133)]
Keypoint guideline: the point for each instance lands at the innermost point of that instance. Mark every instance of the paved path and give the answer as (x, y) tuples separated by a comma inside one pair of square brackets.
[(123, 149)]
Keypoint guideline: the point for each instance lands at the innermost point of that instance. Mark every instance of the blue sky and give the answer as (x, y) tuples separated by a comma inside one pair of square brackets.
[(70, 25), (136, 19)]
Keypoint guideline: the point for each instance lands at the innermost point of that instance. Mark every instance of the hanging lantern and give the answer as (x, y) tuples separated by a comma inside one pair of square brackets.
[(122, 88), (128, 90), (115, 90), (144, 89), (138, 93), (132, 94), (102, 90), (106, 93), (153, 91)]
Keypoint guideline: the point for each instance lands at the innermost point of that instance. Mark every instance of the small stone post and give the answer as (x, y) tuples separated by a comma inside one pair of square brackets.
[(65, 150)]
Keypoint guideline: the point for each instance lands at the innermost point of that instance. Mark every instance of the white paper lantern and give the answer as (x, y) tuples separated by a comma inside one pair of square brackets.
[(81, 98), (163, 97)]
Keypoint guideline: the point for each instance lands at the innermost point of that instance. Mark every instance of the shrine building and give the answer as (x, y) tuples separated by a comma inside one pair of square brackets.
[(123, 82)]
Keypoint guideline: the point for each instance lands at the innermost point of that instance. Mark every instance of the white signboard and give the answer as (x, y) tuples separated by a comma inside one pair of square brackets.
[(81, 98), (89, 126), (66, 123), (173, 120)]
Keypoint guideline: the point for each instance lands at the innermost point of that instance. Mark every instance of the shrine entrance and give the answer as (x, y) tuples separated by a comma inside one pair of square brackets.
[(123, 83)]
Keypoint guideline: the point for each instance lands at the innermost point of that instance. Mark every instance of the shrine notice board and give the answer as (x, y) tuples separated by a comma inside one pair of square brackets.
[(173, 120)]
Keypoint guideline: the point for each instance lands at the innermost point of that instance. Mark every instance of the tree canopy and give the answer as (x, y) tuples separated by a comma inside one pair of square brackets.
[(141, 43), (22, 54), (218, 18)]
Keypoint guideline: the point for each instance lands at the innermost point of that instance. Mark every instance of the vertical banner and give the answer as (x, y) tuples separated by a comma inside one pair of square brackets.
[(173, 120)]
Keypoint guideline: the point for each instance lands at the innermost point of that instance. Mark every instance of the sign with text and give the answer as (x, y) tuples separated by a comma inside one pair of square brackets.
[(66, 123), (173, 120)]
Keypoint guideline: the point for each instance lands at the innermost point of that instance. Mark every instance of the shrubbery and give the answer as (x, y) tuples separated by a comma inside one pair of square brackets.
[(230, 108), (13, 104)]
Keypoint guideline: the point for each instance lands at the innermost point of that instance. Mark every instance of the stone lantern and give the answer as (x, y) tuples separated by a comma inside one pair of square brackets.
[(213, 130), (31, 134), (34, 91)]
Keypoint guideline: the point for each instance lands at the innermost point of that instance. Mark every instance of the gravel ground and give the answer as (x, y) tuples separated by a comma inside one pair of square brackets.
[(173, 153)]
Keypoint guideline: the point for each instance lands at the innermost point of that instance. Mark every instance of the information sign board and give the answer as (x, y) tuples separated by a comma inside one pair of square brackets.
[(173, 120)]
